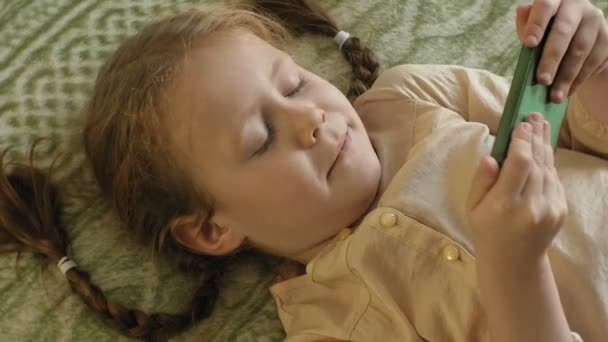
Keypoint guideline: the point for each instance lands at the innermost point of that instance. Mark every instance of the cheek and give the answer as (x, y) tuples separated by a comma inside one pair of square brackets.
[(291, 181), (281, 183)]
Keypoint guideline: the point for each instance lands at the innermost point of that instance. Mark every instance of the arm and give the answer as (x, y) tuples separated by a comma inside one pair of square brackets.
[(476, 95), (521, 300), (514, 214), (479, 96)]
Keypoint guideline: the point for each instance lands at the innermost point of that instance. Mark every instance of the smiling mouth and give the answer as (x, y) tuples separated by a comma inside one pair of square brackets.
[(339, 153)]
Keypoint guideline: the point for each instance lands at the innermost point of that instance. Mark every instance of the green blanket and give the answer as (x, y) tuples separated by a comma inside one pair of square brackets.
[(49, 53)]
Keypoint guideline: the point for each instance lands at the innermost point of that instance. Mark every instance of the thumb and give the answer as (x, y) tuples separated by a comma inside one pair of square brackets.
[(484, 179), (521, 18)]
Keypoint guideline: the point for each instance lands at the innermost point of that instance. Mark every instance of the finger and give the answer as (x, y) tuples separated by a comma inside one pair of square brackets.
[(517, 165), (595, 63), (549, 167), (522, 14), (582, 58), (553, 190), (534, 185), (485, 178), (564, 27), (553, 198), (549, 150), (542, 11), (538, 137)]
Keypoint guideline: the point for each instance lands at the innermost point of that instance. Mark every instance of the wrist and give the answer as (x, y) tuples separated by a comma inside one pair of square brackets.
[(521, 300), (511, 259)]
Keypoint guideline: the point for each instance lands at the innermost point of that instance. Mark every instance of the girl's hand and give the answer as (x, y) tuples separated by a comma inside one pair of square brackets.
[(577, 46), (515, 213)]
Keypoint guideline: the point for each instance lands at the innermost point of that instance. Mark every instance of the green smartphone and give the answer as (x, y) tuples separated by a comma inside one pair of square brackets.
[(525, 96)]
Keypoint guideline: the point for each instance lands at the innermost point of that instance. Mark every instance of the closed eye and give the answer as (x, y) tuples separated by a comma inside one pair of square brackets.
[(297, 89), (271, 133), (270, 128)]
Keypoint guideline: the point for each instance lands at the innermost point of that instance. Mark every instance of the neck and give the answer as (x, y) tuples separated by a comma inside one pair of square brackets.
[(306, 256)]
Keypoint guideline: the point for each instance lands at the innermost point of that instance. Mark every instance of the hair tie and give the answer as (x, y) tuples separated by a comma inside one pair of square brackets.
[(341, 38), (65, 264)]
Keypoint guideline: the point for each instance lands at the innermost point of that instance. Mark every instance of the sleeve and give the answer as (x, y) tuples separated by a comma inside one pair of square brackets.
[(479, 96), (583, 132), (476, 95)]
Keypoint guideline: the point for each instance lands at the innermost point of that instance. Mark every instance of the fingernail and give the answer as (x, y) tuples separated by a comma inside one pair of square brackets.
[(536, 117), (532, 40), (558, 96), (545, 78)]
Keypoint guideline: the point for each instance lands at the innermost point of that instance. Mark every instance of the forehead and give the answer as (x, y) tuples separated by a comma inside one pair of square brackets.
[(214, 86)]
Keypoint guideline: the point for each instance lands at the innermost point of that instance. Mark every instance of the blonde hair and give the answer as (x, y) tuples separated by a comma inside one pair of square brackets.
[(126, 144)]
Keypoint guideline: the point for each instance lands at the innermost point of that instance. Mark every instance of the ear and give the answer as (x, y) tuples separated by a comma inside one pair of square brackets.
[(211, 238)]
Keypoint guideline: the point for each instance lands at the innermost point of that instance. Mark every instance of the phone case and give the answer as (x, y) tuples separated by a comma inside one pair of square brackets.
[(527, 96)]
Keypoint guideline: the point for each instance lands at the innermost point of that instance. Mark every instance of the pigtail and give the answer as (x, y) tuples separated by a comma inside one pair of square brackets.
[(306, 16), (121, 141), (30, 222)]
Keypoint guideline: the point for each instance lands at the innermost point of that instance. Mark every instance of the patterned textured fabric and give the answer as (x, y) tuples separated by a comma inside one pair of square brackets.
[(50, 51)]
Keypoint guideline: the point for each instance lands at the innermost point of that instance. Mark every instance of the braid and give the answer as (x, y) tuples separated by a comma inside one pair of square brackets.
[(306, 16), (30, 221), (30, 207), (136, 323), (365, 67)]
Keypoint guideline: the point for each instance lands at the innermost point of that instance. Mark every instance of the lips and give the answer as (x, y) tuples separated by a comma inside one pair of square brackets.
[(343, 140)]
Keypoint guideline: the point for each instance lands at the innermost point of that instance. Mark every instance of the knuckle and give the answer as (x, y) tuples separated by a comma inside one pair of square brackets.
[(578, 50), (535, 213), (546, 217), (545, 5), (556, 215), (522, 160), (598, 13), (564, 28)]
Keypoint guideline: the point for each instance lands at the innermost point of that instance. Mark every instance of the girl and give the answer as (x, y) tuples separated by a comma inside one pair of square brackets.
[(194, 121)]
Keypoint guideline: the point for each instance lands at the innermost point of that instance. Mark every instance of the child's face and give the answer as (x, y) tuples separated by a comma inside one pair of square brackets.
[(261, 136)]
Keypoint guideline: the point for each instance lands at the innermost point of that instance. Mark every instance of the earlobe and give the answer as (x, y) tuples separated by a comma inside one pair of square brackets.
[(198, 236)]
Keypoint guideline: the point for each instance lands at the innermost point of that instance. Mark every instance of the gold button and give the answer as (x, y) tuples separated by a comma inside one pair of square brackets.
[(388, 220), (343, 234), (450, 253)]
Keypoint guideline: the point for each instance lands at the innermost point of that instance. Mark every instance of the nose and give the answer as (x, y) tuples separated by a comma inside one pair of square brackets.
[(308, 122)]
